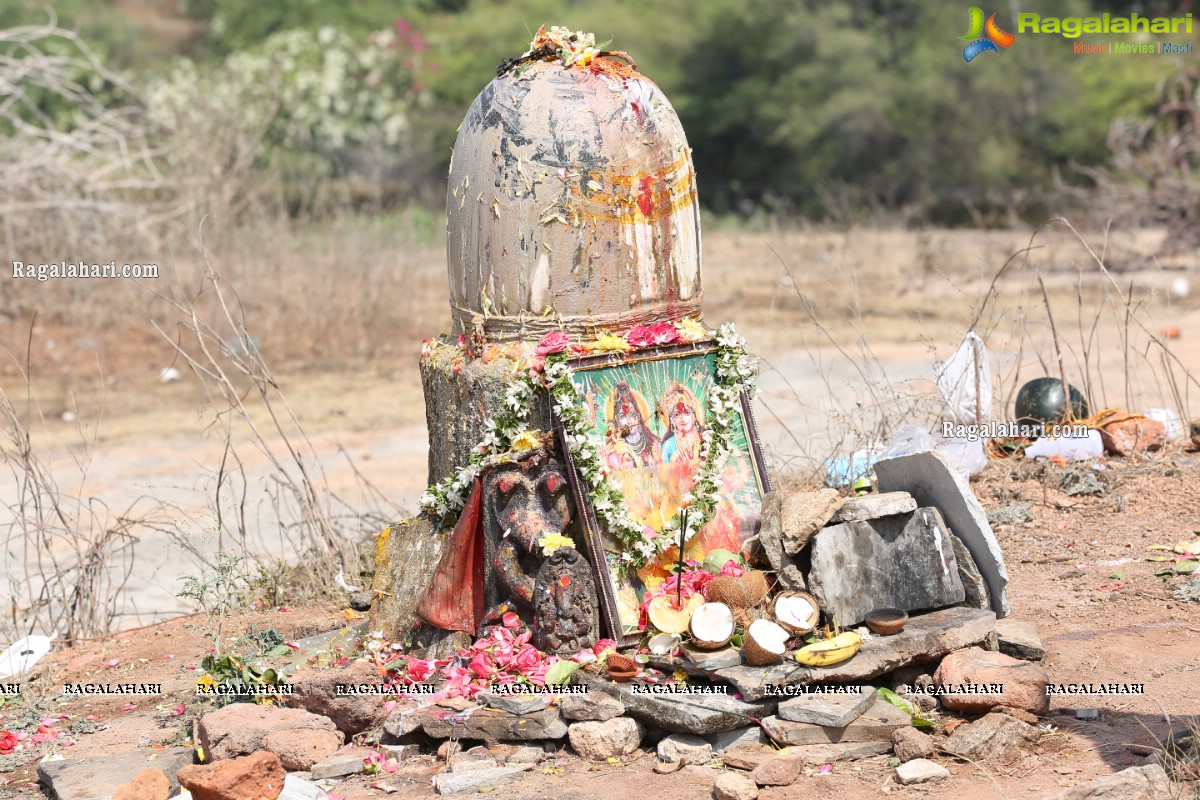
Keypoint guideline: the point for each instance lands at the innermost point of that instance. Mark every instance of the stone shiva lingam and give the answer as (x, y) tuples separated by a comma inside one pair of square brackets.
[(572, 221)]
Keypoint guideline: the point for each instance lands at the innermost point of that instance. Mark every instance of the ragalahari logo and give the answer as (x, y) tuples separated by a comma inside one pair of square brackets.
[(984, 37)]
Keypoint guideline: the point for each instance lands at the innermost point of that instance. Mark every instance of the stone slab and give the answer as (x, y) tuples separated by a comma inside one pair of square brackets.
[(932, 481), (1149, 782), (344, 762), (875, 506), (97, 778), (926, 637), (836, 710), (842, 751), (874, 725), (514, 703), (921, 770), (903, 561), (727, 740), (490, 724), (713, 659), (770, 541), (701, 714), (974, 586), (1019, 639), (406, 554), (476, 781)]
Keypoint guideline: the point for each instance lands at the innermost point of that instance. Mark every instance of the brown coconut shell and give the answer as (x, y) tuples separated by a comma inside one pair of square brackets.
[(738, 593), (755, 654), (787, 626)]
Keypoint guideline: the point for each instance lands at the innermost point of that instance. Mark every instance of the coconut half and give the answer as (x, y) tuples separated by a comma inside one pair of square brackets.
[(797, 612), (765, 643), (668, 617), (663, 644), (711, 626)]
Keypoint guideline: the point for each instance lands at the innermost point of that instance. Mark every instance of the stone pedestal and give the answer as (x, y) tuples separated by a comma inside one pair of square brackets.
[(460, 393)]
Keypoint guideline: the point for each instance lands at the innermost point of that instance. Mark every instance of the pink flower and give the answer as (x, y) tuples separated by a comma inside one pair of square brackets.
[(419, 669), (481, 665), (826, 769), (732, 567), (178, 710), (536, 365), (651, 335), (552, 342), (604, 644), (112, 662), (510, 621), (528, 659)]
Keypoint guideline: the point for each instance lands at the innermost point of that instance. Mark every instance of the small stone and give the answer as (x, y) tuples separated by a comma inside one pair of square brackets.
[(447, 750), (255, 777), (874, 506), (909, 743), (1019, 639), (600, 741), (747, 756), (149, 784), (242, 728), (1017, 713), (805, 513), (361, 601), (1148, 782), (727, 739), (1133, 435), (403, 720), (783, 769), (525, 754), (350, 761), (316, 691), (461, 764), (920, 770), (667, 767), (591, 706), (995, 737), (684, 747), (476, 781), (514, 703), (835, 710), (1022, 684), (1087, 713), (300, 749), (734, 786)]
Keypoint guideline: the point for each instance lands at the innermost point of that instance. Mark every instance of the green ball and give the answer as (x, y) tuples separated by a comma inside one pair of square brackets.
[(1042, 400)]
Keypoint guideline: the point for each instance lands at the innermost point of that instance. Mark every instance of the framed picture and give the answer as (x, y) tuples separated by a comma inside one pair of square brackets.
[(649, 409)]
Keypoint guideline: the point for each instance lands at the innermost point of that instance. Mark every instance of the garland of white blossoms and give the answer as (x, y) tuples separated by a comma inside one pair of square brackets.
[(735, 372)]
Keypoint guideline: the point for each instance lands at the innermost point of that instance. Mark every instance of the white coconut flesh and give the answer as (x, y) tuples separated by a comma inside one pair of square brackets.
[(712, 622), (664, 643), (795, 611), (768, 636)]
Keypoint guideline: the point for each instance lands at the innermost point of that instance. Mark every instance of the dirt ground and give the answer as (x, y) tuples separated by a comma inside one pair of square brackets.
[(1062, 564), (849, 325)]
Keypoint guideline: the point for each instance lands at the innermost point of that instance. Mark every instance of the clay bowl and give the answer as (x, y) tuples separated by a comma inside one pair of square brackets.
[(621, 668), (886, 621)]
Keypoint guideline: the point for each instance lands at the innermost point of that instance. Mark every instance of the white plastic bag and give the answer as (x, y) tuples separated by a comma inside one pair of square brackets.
[(24, 653), (1071, 448), (1176, 430), (956, 383)]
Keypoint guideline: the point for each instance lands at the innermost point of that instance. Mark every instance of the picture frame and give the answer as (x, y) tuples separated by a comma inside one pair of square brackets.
[(656, 466)]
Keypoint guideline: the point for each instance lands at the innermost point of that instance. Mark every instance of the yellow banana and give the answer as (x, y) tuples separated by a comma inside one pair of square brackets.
[(829, 651)]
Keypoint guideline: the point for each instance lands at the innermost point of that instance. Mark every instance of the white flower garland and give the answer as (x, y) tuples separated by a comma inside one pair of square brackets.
[(735, 372)]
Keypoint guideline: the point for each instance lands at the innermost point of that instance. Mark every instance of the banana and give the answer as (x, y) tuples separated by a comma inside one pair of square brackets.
[(829, 651)]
